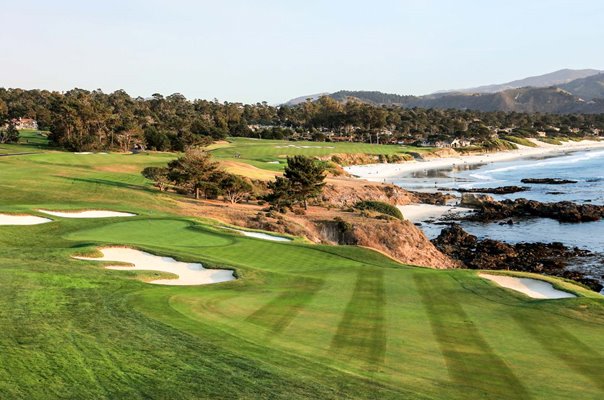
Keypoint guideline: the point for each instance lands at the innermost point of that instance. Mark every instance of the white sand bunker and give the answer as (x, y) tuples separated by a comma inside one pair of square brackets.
[(12, 219), (531, 287), (87, 214), (188, 273), (259, 235)]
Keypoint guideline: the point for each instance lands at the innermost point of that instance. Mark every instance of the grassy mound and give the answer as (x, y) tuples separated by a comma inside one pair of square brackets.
[(519, 140), (381, 207)]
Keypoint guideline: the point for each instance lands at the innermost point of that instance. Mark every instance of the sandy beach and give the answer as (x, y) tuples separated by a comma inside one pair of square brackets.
[(377, 172), (422, 212)]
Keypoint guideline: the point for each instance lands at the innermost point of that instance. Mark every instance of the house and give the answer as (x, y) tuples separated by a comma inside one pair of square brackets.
[(457, 143), (25, 123), (454, 144)]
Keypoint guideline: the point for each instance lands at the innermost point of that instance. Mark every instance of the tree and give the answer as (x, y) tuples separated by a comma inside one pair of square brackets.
[(234, 188), (195, 172), (159, 175), (9, 134), (305, 177), (280, 195), (157, 140)]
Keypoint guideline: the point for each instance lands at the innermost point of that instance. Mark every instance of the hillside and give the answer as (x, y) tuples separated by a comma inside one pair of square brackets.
[(586, 88), (555, 78), (561, 92)]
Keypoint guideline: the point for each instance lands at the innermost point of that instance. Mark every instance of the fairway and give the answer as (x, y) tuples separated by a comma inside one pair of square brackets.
[(300, 321), (271, 154)]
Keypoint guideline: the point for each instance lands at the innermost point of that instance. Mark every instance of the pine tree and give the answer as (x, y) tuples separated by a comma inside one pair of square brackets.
[(305, 177)]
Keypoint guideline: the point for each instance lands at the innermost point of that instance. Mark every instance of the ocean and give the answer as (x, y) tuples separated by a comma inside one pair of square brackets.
[(585, 167)]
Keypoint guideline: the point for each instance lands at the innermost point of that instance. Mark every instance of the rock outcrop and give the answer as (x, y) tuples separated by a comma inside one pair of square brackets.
[(563, 211), (550, 258), (497, 190), (547, 181)]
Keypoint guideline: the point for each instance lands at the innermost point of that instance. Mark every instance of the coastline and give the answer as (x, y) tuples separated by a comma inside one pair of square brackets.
[(378, 172)]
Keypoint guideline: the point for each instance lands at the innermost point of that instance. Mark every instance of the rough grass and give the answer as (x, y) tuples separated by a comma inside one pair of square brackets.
[(302, 321), (520, 140)]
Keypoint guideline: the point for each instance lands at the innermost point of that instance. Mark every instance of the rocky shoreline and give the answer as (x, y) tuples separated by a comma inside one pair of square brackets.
[(549, 258), (488, 210)]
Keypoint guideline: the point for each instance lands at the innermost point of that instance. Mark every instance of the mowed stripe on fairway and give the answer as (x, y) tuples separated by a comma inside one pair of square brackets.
[(361, 334), (278, 313), (468, 356), (566, 347)]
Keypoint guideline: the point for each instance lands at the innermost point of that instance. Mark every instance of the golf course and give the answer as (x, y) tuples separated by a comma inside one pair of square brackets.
[(298, 321)]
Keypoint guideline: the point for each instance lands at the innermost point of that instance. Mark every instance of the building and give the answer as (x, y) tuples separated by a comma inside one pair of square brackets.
[(453, 144), (25, 123)]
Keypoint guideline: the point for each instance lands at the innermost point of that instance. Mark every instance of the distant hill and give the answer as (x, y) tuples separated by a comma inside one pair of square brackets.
[(302, 99), (588, 88), (531, 100), (373, 97), (556, 78), (556, 92)]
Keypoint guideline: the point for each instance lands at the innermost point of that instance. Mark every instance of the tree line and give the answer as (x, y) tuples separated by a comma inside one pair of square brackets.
[(83, 120)]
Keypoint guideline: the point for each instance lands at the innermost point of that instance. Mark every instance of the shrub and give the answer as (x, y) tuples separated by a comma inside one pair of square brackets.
[(381, 207)]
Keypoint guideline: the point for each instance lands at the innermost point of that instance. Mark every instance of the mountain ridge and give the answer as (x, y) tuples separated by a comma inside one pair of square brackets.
[(582, 95)]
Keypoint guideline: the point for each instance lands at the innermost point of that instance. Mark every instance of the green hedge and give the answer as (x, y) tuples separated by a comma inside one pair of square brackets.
[(380, 207)]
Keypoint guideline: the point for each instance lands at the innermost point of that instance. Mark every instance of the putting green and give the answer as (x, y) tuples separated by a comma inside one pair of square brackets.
[(302, 321)]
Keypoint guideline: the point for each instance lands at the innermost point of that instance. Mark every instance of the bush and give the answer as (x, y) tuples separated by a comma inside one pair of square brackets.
[(381, 207)]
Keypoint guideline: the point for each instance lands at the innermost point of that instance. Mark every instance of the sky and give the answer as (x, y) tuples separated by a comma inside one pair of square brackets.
[(265, 50)]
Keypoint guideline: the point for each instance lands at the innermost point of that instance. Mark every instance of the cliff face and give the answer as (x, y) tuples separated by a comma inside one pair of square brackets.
[(339, 195), (400, 240), (345, 159)]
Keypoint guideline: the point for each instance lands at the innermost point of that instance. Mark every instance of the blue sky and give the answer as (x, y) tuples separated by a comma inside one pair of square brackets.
[(266, 50)]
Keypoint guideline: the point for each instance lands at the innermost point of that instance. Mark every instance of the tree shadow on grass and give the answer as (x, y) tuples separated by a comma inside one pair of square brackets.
[(105, 182)]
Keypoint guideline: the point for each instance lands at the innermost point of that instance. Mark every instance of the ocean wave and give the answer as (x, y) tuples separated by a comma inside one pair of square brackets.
[(564, 160)]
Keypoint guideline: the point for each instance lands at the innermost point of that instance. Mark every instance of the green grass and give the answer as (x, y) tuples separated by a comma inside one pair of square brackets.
[(551, 140), (302, 321), (519, 140), (263, 153)]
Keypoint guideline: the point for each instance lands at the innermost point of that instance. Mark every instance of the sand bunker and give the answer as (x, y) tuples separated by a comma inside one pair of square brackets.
[(534, 288), (87, 214), (259, 235), (188, 273), (11, 219)]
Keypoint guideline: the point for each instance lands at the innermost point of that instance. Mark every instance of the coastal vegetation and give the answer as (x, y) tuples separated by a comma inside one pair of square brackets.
[(381, 207)]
